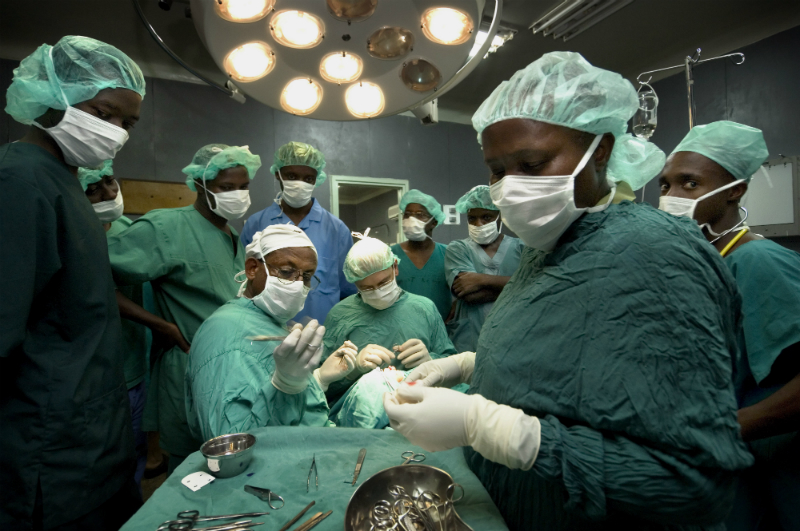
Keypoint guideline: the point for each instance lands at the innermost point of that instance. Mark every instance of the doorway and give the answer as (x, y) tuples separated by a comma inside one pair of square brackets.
[(369, 202)]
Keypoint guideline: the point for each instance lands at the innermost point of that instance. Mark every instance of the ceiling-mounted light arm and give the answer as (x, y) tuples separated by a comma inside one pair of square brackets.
[(230, 90)]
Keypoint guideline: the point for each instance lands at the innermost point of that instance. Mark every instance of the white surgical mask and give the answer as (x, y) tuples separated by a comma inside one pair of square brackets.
[(681, 206), (109, 211), (484, 234), (297, 194), (383, 297), (230, 205), (282, 300), (540, 209), (414, 229)]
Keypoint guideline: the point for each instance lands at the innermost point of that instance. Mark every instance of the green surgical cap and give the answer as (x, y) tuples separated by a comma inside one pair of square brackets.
[(76, 68), (431, 204), (87, 176), (478, 197), (213, 158), (367, 256), (738, 148), (299, 154), (563, 88)]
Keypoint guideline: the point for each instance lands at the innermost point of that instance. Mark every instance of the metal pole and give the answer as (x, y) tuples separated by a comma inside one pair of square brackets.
[(690, 91)]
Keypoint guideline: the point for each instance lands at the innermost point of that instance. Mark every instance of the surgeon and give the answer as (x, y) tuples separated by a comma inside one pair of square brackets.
[(704, 179), (235, 383), (68, 451), (478, 267), (190, 256), (421, 264), (298, 168), (601, 393)]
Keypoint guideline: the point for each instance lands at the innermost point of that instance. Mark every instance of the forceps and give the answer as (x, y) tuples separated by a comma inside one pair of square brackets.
[(411, 457), (316, 474), (187, 519)]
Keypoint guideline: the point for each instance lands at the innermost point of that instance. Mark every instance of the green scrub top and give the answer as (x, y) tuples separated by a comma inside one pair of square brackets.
[(467, 256), (64, 414), (430, 281), (229, 377), (410, 317), (191, 264), (621, 341)]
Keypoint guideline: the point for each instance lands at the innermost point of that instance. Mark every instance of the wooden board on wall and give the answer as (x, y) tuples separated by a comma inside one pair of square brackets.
[(143, 196)]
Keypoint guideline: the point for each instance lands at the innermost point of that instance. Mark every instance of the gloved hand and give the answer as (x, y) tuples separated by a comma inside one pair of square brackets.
[(440, 419), (412, 353), (445, 372), (297, 357), (373, 356), (337, 366)]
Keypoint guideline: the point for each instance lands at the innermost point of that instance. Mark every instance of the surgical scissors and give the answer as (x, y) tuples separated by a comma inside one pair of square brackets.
[(316, 474), (411, 457), (264, 495), (187, 520)]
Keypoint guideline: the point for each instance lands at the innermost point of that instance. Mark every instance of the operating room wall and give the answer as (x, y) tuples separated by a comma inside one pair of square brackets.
[(443, 160)]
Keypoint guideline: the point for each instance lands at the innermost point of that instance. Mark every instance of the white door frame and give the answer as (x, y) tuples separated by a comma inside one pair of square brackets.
[(400, 184)]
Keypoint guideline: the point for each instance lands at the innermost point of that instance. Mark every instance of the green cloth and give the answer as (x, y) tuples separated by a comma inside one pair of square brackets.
[(410, 317), (229, 377), (64, 414), (134, 335), (467, 256), (190, 264), (620, 340), (429, 281), (281, 459)]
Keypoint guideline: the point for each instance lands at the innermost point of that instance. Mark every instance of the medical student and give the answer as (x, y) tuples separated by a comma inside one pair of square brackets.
[(601, 394), (478, 267), (421, 264), (298, 168), (704, 179), (67, 459), (189, 255), (235, 384)]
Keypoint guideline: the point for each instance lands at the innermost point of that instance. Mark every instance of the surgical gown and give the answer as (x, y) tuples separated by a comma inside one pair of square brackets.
[(190, 264), (768, 276), (430, 281), (229, 377), (332, 240), (469, 257), (621, 342)]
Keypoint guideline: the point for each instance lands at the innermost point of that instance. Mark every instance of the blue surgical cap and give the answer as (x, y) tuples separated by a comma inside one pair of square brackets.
[(432, 205), (88, 176), (478, 197)]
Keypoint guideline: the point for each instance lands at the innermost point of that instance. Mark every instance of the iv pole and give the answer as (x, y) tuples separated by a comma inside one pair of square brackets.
[(689, 63)]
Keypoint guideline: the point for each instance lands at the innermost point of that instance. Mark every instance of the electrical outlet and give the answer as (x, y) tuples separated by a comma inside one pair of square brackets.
[(451, 216)]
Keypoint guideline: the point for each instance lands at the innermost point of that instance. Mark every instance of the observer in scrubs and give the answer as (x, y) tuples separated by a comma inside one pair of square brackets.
[(421, 265), (68, 455), (478, 267), (705, 179), (299, 169), (595, 402), (190, 256), (235, 382)]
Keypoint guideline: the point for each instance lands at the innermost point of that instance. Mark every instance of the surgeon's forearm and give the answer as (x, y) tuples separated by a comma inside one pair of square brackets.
[(133, 312), (775, 415)]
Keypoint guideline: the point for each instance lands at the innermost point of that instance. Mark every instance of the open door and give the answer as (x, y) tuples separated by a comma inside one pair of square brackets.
[(369, 202)]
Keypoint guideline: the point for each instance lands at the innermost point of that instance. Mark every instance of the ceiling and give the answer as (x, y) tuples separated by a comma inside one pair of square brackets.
[(645, 35)]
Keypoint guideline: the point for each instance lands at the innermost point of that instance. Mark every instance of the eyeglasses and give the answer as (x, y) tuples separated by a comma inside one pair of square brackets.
[(381, 285), (287, 275), (419, 215)]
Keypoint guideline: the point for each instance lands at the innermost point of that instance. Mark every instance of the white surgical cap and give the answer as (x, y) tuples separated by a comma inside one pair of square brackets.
[(277, 237)]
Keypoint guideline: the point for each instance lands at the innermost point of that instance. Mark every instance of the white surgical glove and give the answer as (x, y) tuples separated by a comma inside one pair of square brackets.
[(445, 372), (413, 353), (439, 419), (297, 357), (373, 356), (337, 366)]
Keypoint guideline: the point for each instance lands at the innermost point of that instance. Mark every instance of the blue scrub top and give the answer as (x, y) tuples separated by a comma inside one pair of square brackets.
[(332, 239)]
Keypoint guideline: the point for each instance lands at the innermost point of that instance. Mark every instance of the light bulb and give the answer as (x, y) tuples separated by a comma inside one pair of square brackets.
[(250, 62), (352, 10), (420, 75), (243, 10), (297, 29), (301, 96), (390, 43), (445, 25), (341, 67), (364, 100)]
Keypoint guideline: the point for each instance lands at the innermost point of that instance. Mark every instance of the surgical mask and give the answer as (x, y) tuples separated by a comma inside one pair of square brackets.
[(484, 234), (540, 209), (681, 206), (297, 194), (414, 229), (109, 211), (382, 297), (230, 205), (283, 300)]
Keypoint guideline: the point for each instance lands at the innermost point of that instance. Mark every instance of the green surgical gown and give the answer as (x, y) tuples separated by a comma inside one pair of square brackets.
[(64, 414), (621, 341), (430, 281), (229, 377), (466, 256), (191, 264)]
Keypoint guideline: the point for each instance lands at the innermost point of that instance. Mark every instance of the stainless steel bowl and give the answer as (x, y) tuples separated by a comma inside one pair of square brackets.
[(413, 478), (228, 455)]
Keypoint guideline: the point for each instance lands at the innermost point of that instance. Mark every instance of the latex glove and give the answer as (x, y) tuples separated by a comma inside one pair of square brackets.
[(337, 366), (373, 356), (297, 356), (439, 419), (445, 372), (412, 353)]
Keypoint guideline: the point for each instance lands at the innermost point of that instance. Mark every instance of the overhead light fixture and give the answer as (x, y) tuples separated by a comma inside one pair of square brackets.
[(341, 67), (390, 43), (572, 17), (445, 25), (352, 10), (502, 36), (301, 96), (297, 29), (364, 100), (250, 62), (420, 75), (243, 10)]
